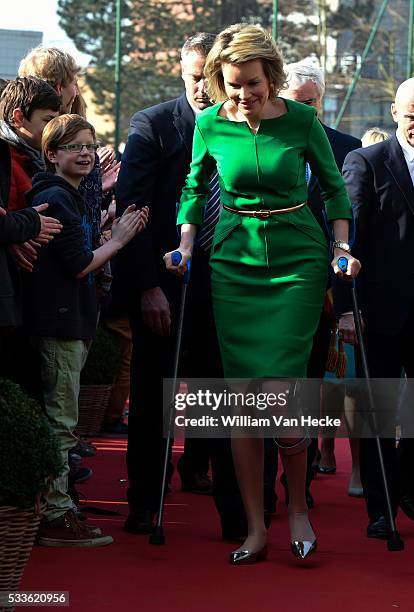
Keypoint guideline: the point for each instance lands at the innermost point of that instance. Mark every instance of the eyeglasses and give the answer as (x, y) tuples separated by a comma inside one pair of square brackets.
[(308, 102), (77, 148)]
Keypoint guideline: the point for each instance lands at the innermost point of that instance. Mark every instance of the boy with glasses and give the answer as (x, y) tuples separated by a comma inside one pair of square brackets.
[(62, 304)]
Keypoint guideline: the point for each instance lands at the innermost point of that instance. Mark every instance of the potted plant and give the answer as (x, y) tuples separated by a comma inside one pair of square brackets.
[(102, 364), (29, 457)]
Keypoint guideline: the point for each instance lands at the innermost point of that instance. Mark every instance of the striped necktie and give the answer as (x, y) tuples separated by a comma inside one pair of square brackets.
[(211, 214)]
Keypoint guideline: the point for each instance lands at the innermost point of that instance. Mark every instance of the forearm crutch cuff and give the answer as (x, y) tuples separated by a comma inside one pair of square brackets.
[(295, 448)]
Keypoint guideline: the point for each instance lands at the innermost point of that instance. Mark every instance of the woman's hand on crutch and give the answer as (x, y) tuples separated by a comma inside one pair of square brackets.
[(188, 232)]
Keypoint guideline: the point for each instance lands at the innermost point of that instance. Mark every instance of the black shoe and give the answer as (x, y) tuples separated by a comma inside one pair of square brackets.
[(326, 470), (79, 475), (407, 506), (196, 483), (379, 529), (140, 522), (84, 449), (245, 557), (199, 483), (310, 502), (118, 427), (193, 482)]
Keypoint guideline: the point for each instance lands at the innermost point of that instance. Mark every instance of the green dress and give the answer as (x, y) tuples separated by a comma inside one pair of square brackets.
[(268, 276)]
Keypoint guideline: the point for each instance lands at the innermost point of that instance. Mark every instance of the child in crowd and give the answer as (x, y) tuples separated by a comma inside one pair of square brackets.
[(62, 305), (374, 135), (26, 105)]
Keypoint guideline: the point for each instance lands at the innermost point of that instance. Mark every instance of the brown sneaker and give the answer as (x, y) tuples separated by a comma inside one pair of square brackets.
[(84, 521), (68, 530)]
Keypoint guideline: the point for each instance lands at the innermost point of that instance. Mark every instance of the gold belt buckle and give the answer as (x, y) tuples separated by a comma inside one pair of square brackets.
[(262, 214)]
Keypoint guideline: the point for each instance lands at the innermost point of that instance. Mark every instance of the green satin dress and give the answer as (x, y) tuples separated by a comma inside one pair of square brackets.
[(268, 276)]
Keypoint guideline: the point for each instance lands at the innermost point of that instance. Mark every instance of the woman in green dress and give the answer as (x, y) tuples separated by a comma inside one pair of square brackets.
[(269, 256)]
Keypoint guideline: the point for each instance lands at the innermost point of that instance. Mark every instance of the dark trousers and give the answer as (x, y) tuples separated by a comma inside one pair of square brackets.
[(316, 369), (387, 356), (152, 360)]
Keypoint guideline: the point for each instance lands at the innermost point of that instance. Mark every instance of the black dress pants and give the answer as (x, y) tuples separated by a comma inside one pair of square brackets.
[(152, 360), (316, 370), (387, 356)]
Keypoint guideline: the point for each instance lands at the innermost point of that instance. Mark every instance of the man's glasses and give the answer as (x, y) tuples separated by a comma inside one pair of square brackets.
[(308, 102), (77, 148)]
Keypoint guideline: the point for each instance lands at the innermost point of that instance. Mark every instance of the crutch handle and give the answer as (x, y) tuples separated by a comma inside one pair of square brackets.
[(176, 258), (343, 264)]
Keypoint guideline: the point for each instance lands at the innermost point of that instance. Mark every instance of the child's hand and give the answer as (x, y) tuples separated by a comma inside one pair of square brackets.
[(110, 177), (107, 216), (125, 227), (106, 157), (144, 213), (129, 224)]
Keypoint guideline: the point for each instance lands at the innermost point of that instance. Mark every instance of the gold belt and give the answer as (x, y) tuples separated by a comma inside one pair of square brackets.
[(264, 213)]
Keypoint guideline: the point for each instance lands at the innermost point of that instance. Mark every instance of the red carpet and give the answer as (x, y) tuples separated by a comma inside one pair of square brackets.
[(191, 574)]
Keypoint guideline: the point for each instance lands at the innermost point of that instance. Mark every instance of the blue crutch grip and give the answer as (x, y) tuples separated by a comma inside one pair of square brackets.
[(176, 258), (343, 264)]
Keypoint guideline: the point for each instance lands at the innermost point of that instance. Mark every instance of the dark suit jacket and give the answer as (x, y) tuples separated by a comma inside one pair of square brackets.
[(154, 167), (15, 227), (382, 194), (341, 145)]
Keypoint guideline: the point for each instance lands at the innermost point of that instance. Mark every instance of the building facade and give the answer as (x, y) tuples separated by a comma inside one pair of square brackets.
[(14, 45)]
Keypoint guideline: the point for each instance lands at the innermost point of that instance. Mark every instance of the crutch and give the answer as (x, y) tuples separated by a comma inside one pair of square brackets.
[(157, 537), (394, 541)]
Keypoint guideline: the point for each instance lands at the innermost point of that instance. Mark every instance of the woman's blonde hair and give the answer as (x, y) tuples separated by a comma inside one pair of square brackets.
[(61, 130), (50, 64), (238, 44), (374, 135)]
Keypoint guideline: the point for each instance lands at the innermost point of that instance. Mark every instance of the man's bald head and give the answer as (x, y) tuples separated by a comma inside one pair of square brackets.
[(402, 110), (405, 91)]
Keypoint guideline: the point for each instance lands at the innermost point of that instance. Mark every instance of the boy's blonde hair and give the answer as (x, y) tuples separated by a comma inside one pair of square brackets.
[(374, 135), (50, 64), (61, 130), (238, 44)]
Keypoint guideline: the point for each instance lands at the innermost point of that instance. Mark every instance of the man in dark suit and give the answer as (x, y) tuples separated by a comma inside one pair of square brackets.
[(154, 168), (306, 84), (379, 180)]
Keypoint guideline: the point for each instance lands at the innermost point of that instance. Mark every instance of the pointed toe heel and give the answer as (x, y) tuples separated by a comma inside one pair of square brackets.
[(303, 549), (246, 557)]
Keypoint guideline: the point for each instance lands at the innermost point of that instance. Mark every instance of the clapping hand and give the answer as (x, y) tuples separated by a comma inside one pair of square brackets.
[(129, 224), (106, 158)]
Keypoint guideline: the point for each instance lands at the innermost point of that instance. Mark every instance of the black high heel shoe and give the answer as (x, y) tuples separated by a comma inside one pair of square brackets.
[(245, 557), (302, 549), (310, 502)]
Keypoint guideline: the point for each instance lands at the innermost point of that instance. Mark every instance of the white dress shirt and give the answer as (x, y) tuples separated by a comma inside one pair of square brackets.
[(408, 151)]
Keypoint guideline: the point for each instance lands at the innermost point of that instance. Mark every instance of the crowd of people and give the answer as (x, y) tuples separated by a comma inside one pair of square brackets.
[(266, 194)]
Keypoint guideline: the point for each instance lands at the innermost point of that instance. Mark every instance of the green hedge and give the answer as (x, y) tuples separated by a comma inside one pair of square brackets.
[(29, 453), (104, 360)]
